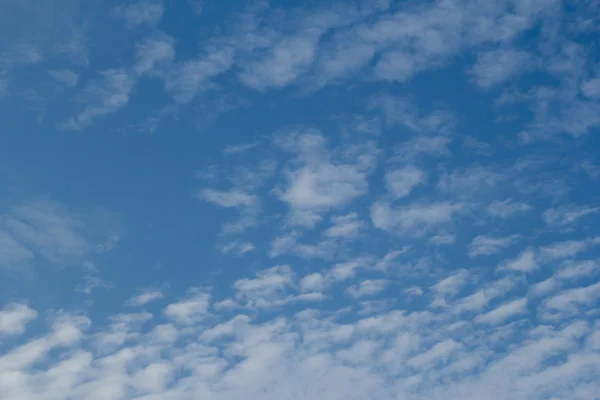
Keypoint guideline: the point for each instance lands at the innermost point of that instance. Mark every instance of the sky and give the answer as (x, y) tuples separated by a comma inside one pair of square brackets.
[(357, 199)]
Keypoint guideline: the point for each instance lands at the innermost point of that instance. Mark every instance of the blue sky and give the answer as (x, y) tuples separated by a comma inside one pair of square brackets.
[(299, 200)]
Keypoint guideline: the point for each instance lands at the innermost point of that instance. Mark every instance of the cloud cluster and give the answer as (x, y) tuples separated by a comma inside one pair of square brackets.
[(407, 208)]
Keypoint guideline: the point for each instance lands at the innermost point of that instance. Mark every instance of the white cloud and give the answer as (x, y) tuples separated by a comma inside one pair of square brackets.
[(154, 52), (313, 282), (498, 66), (478, 300), (525, 262), (263, 356), (448, 288), (317, 182), (443, 239), (367, 287), (503, 312), (12, 253), (285, 62), (145, 12), (237, 149), (344, 226), (347, 269), (46, 228), (145, 297), (564, 216), (237, 248), (415, 219), (569, 300), (418, 146), (324, 186), (186, 79), (290, 244), (562, 250), (573, 270), (431, 127), (507, 208), (440, 352), (153, 378), (470, 181), (65, 77), (401, 182), (362, 314), (91, 282), (102, 96), (591, 169), (228, 199), (267, 288), (14, 317), (190, 310), (591, 88), (248, 205), (486, 245)]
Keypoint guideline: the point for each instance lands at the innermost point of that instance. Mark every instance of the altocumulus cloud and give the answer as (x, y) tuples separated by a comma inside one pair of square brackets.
[(347, 200)]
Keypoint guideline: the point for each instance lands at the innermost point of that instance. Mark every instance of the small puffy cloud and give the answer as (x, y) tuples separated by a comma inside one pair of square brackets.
[(400, 182), (313, 282), (448, 288), (319, 179), (443, 239), (324, 186), (267, 288), (483, 245), (14, 317), (525, 262), (285, 62), (190, 310), (347, 269), (503, 312), (228, 199), (414, 219), (237, 248), (145, 297), (368, 287), (344, 226)]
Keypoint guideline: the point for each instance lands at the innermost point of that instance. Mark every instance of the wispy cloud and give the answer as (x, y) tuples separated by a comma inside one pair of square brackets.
[(145, 12), (145, 297), (486, 245), (497, 66), (415, 219), (104, 95)]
